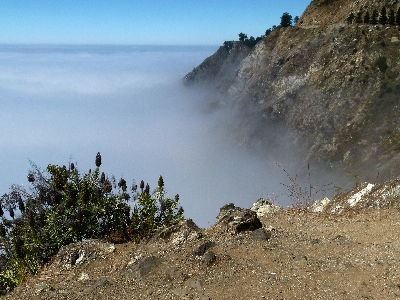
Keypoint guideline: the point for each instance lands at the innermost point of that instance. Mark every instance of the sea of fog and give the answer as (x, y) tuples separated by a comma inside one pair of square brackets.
[(62, 104)]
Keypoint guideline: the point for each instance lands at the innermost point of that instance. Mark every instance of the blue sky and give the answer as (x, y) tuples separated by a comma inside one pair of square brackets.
[(152, 22)]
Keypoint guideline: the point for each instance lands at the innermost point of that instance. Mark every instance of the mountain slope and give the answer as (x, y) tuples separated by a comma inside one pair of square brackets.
[(334, 87)]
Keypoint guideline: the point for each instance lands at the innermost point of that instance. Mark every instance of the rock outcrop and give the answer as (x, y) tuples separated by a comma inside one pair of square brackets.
[(367, 195), (235, 219)]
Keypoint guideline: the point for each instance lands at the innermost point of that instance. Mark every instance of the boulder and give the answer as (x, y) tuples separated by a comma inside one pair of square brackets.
[(236, 219), (200, 250), (180, 233), (319, 205), (80, 253), (263, 207), (261, 234)]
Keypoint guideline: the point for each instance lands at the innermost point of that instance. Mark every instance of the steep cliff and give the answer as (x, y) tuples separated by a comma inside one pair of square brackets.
[(334, 86)]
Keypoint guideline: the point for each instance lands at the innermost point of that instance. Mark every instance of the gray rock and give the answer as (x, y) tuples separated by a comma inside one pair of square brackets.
[(237, 219), (42, 287), (175, 274), (148, 264), (200, 250), (261, 234), (341, 240), (180, 233), (80, 253), (143, 267), (209, 258), (102, 281), (193, 283), (300, 261)]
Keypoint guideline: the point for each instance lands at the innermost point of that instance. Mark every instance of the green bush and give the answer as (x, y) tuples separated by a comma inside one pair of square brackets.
[(64, 206)]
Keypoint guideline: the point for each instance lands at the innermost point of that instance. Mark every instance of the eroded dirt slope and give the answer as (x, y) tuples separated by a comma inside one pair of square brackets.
[(355, 255)]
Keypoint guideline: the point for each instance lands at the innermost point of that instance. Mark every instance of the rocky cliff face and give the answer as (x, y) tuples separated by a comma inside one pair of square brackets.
[(335, 87)]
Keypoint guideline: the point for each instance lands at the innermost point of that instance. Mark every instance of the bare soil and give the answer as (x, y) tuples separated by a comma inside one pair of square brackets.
[(354, 255)]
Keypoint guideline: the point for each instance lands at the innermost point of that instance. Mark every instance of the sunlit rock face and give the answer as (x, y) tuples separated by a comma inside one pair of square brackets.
[(332, 87)]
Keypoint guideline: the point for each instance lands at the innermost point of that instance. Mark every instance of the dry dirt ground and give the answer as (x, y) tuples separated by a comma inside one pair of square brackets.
[(355, 255)]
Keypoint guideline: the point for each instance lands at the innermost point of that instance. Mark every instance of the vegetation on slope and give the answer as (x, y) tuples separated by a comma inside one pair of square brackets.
[(64, 206)]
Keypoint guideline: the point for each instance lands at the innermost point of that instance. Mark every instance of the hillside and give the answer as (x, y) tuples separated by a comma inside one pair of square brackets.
[(346, 247), (296, 255), (325, 87)]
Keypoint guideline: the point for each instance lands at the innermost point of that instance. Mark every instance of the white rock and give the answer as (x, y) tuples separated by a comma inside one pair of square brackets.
[(263, 207), (319, 205), (353, 200)]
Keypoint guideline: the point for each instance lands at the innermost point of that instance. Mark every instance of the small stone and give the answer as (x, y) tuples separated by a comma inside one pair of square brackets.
[(270, 275), (200, 250), (175, 274), (300, 261), (83, 276), (193, 283), (315, 241), (209, 258), (341, 240), (261, 234), (148, 264), (42, 287), (99, 283)]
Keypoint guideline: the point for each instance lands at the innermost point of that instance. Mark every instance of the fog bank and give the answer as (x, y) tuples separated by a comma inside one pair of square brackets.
[(64, 104)]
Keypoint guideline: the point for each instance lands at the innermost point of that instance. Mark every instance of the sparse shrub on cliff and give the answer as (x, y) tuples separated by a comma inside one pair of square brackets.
[(64, 206), (302, 194), (228, 45)]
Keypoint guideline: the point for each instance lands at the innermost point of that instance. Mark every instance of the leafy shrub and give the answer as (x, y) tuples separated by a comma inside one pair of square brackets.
[(64, 206)]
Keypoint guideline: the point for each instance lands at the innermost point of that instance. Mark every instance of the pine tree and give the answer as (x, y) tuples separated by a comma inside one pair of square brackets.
[(350, 18), (392, 17), (374, 18), (359, 19), (383, 19), (367, 18), (398, 17), (242, 37), (286, 20)]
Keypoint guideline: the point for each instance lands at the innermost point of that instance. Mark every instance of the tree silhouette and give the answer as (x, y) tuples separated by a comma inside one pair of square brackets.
[(242, 37), (383, 18), (398, 16), (350, 18), (367, 18), (392, 17), (286, 20), (374, 18), (359, 19)]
